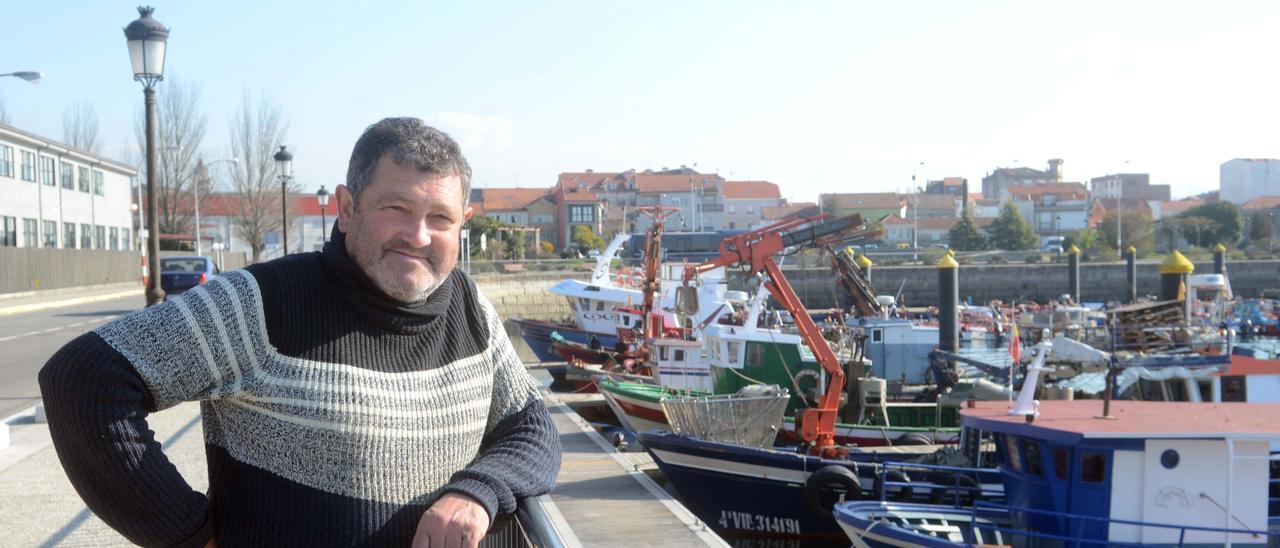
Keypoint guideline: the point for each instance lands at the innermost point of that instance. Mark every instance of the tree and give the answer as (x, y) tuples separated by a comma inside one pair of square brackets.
[(514, 244), (545, 249), (1010, 232), (80, 127), (480, 227), (180, 131), (1261, 231), (1087, 240), (1227, 224), (965, 236), (257, 130), (585, 239), (1136, 231)]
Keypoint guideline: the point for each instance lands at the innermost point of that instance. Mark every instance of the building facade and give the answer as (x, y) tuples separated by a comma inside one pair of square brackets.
[(745, 203), (996, 184), (1244, 179), (57, 196)]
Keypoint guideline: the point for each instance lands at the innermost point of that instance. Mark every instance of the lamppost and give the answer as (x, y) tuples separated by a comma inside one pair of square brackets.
[(28, 75), (202, 170), (146, 38), (1271, 242), (915, 214), (322, 196), (284, 166)]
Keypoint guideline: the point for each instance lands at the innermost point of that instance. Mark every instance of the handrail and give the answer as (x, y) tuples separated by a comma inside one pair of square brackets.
[(529, 527), (955, 488), (1182, 529)]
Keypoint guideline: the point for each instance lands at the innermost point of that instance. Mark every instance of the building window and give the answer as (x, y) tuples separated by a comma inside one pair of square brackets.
[(582, 214), (8, 232), (127, 244), (733, 208), (68, 176), (28, 166), (84, 179), (29, 237), (47, 174), (86, 237), (97, 182), (6, 161), (99, 237), (51, 234), (69, 235), (113, 241)]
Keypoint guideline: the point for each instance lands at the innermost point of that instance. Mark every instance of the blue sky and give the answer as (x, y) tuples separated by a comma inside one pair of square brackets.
[(815, 96)]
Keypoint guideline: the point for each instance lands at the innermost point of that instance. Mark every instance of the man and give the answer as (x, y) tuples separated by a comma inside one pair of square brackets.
[(362, 395)]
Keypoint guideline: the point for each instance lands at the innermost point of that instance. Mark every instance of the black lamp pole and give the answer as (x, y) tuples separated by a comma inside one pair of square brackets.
[(147, 39), (284, 163), (322, 196)]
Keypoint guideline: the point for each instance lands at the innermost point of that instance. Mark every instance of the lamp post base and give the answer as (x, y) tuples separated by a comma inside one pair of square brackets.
[(155, 296)]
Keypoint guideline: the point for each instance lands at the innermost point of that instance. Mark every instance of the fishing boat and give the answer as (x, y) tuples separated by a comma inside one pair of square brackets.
[(1093, 473)]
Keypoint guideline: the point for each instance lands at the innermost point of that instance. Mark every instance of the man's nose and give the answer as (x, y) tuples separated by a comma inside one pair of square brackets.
[(418, 234)]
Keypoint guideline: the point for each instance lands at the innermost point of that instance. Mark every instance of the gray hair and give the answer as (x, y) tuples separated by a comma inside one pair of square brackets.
[(407, 140)]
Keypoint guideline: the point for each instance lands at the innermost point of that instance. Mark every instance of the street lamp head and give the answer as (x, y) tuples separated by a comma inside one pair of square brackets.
[(28, 75), (147, 39), (284, 162), (322, 196)]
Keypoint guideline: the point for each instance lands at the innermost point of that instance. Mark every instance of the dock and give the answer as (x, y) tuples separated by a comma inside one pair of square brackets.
[(603, 497)]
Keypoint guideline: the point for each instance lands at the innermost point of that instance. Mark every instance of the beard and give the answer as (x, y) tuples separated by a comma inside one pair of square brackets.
[(404, 279)]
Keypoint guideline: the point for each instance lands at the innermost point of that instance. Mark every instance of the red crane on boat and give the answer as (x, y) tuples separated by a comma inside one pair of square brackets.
[(754, 251)]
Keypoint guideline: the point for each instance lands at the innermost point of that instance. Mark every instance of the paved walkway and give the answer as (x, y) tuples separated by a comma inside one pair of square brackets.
[(17, 303)]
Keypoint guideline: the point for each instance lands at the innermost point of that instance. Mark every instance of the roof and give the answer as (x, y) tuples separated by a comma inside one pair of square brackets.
[(1262, 202), (799, 209), (83, 155), (936, 201), (1248, 365), (864, 200), (1071, 421), (1075, 190), (581, 196), (1178, 206), (750, 189), (589, 177), (646, 182), (227, 204), (1109, 204), (507, 199)]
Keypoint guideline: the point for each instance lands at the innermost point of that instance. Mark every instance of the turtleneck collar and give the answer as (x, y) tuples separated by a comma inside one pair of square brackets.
[(371, 302)]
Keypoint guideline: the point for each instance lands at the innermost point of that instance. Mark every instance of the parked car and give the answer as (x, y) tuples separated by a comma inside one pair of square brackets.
[(869, 247), (178, 274), (939, 246)]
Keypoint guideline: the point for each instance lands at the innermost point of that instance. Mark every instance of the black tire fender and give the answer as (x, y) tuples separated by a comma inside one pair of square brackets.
[(913, 438), (949, 485), (903, 492), (828, 477)]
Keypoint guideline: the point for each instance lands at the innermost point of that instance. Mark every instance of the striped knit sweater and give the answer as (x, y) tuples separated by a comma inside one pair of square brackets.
[(332, 414)]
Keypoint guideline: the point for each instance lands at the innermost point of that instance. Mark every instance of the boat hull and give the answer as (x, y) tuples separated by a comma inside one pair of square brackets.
[(537, 334), (874, 523)]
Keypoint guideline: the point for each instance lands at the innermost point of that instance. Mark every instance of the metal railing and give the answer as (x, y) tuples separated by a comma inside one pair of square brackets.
[(529, 527), (974, 525), (961, 486)]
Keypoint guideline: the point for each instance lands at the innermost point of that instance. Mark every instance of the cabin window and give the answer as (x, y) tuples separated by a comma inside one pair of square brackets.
[(662, 353), (1093, 468), (755, 355), (733, 352), (679, 355), (1035, 464), (1015, 456), (584, 304), (1060, 462), (599, 306), (877, 335), (1206, 390), (1233, 389), (1169, 459)]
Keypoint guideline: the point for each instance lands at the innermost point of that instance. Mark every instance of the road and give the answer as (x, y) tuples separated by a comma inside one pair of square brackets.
[(28, 340)]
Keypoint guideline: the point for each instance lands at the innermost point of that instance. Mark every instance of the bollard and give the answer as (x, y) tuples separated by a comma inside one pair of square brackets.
[(948, 300), (865, 264), (1173, 279), (1073, 274), (1220, 259), (1131, 273)]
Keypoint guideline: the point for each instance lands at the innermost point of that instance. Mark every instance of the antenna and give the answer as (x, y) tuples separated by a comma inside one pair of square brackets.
[(1027, 404)]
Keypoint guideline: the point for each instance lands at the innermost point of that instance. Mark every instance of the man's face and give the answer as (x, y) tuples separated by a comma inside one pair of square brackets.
[(404, 230)]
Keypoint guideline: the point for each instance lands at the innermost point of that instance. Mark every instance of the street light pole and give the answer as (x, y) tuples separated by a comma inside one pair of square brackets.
[(284, 163), (146, 38), (915, 214), (322, 196)]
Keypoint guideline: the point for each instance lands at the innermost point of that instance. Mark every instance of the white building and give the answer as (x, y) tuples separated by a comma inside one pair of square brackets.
[(57, 196), (309, 227), (1244, 179)]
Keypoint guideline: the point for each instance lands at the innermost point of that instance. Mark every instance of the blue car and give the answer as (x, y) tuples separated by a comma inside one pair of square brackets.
[(178, 274)]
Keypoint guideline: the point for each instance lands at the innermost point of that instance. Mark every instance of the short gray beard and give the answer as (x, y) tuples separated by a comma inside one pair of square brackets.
[(409, 295)]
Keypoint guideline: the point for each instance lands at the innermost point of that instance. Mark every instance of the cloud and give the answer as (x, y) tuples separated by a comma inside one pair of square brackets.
[(475, 132)]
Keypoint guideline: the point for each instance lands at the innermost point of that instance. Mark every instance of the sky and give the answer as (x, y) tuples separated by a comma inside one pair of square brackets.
[(817, 97)]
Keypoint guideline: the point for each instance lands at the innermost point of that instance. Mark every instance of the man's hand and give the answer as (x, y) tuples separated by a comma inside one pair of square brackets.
[(454, 521)]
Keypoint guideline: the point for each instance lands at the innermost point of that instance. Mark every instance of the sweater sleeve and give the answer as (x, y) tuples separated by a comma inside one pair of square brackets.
[(520, 454), (97, 409)]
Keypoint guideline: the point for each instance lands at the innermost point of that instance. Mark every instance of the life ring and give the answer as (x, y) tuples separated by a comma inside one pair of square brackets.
[(830, 477), (903, 481), (950, 488)]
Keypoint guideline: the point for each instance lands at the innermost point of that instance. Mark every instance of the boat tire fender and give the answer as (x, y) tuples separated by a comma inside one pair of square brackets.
[(901, 494), (913, 438), (827, 477), (950, 487)]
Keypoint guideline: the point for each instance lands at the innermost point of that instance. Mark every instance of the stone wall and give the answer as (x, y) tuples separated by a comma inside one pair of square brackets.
[(525, 295), (1098, 281)]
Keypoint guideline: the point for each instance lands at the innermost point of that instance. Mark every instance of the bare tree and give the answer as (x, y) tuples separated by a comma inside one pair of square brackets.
[(257, 129), (180, 131), (80, 127), (4, 113)]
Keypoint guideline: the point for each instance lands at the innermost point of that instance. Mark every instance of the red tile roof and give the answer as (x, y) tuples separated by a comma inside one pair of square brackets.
[(1262, 202), (1068, 190), (750, 189), (671, 183), (508, 199), (591, 178), (228, 205), (1178, 206), (799, 209)]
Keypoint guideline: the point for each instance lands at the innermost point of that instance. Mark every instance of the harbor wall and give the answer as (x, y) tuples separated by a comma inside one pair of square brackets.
[(525, 295), (1098, 282)]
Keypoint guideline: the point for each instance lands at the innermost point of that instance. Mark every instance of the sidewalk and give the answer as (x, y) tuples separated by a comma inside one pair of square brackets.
[(56, 298), (40, 508)]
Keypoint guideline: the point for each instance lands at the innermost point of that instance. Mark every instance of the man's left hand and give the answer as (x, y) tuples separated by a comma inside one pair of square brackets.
[(454, 521)]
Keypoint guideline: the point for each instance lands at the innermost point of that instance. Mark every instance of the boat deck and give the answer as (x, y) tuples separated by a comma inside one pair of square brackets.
[(604, 498)]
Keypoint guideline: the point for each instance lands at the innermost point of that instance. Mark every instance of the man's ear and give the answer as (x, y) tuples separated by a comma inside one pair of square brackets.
[(466, 215), (346, 207)]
